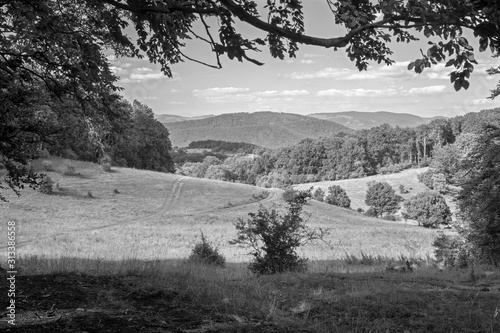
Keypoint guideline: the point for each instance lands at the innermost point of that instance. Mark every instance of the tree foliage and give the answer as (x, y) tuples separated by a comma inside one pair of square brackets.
[(337, 196), (480, 196), (382, 199), (274, 237), (54, 67), (429, 209)]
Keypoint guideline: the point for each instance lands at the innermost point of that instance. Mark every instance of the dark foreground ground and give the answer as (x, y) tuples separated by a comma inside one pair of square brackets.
[(316, 303)]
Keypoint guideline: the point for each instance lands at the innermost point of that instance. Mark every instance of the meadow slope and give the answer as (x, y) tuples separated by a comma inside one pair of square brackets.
[(160, 216)]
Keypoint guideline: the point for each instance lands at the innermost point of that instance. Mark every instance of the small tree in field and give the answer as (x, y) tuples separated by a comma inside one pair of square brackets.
[(429, 209), (274, 237), (338, 197), (319, 194), (382, 199)]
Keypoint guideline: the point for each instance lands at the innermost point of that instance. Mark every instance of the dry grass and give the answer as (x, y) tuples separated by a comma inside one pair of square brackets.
[(159, 216), (356, 188), (427, 300)]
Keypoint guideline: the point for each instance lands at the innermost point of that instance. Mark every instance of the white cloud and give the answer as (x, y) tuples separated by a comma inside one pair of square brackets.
[(294, 92), (360, 92), (397, 70), (307, 62), (313, 55), (149, 76), (143, 69), (427, 90), (233, 94), (177, 103)]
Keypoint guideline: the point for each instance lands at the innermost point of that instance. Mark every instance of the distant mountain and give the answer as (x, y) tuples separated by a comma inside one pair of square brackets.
[(363, 120), (266, 129), (172, 118)]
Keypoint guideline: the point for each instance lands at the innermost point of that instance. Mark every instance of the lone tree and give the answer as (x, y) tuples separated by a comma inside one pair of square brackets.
[(429, 209), (54, 52), (274, 237), (382, 199), (337, 196)]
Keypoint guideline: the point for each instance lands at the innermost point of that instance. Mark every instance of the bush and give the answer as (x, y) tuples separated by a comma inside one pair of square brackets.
[(46, 185), (274, 237), (394, 168), (68, 170), (382, 199), (390, 217), (206, 254), (290, 194), (402, 190), (47, 165), (44, 153), (452, 251), (338, 197), (319, 194), (426, 178), (106, 167), (429, 209)]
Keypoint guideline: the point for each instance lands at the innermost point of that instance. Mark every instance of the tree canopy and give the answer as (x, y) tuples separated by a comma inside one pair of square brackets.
[(53, 53)]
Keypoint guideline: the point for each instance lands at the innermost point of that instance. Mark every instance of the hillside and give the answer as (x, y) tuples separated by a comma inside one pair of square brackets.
[(356, 188), (266, 129), (363, 120), (171, 118), (158, 215)]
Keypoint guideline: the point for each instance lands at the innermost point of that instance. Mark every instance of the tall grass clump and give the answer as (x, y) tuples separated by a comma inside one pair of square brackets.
[(46, 185)]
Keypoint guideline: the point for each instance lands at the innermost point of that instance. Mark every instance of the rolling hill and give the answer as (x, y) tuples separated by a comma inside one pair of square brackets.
[(172, 118), (363, 120), (266, 129), (146, 215)]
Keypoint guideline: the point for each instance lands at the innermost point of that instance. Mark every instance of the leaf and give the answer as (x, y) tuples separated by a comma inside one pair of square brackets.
[(457, 85), (411, 65), (466, 84), (450, 62)]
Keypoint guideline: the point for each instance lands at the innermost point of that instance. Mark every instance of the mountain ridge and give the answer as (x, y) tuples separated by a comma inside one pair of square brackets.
[(263, 128), (358, 120)]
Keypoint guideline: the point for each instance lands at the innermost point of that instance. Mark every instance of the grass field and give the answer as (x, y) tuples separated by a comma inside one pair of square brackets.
[(115, 260), (356, 188), (160, 216)]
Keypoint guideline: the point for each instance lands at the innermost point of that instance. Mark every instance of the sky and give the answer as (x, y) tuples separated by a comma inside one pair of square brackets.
[(318, 80)]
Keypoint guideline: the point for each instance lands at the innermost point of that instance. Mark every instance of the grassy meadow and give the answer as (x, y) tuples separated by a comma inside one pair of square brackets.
[(148, 215), (114, 259), (356, 188)]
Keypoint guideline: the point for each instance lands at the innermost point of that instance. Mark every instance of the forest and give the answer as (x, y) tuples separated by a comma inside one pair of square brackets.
[(379, 150)]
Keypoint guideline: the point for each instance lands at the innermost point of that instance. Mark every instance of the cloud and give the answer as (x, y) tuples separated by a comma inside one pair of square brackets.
[(149, 76), (177, 103), (313, 55), (427, 90), (360, 92), (234, 94), (307, 62), (397, 70), (142, 74)]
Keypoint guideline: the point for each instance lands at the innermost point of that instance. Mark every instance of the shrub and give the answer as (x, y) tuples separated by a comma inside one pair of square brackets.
[(426, 178), (205, 253), (382, 199), (115, 191), (89, 194), (390, 217), (372, 212), (46, 185), (402, 189), (44, 153), (338, 197), (68, 170), (289, 194), (274, 237), (360, 210), (106, 167), (452, 251), (47, 165), (319, 194), (429, 209), (394, 168)]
